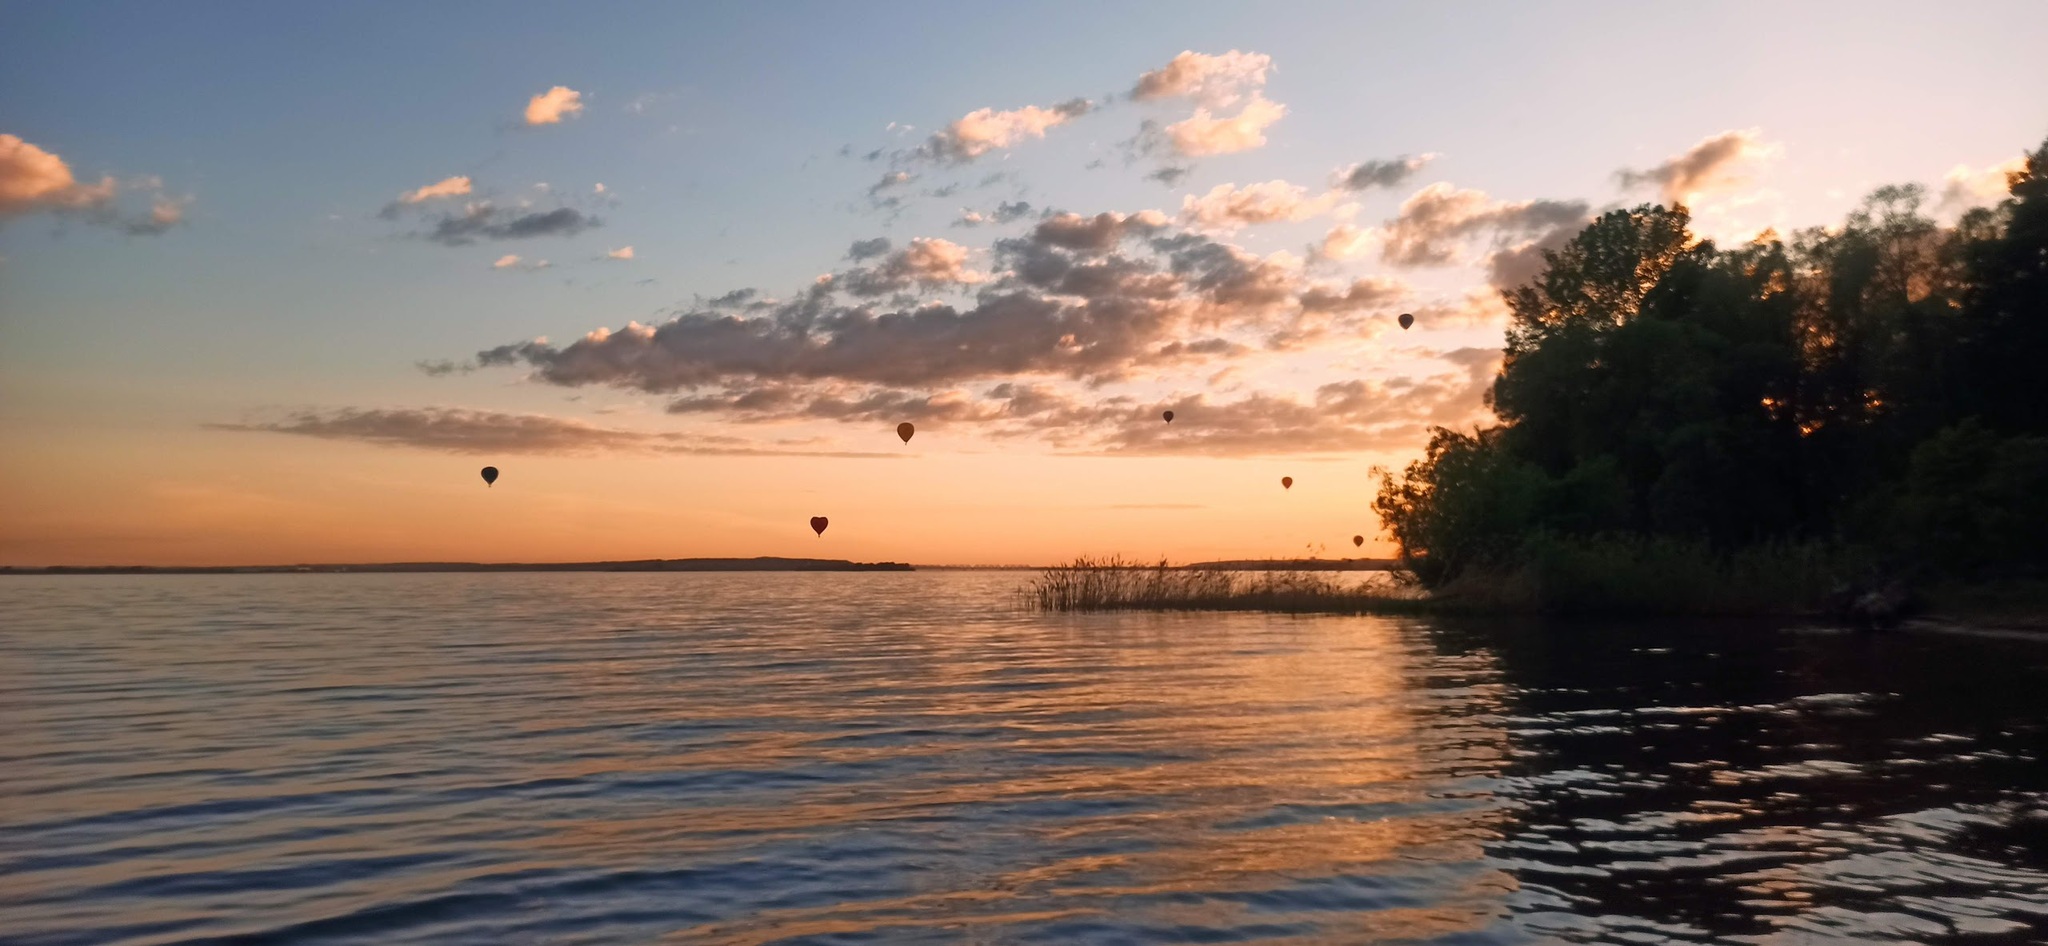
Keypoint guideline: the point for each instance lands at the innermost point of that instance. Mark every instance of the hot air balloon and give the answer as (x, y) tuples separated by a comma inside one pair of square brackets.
[(1406, 320), (905, 429), (1169, 416), (1358, 540), (490, 475), (818, 524), (1287, 482)]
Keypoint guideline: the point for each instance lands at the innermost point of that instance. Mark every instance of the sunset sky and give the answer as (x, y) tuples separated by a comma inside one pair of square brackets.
[(277, 280)]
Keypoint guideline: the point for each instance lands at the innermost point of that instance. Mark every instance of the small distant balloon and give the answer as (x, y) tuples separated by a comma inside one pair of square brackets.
[(1169, 416), (490, 475), (1287, 482), (1406, 319), (905, 429), (1358, 540), (818, 524)]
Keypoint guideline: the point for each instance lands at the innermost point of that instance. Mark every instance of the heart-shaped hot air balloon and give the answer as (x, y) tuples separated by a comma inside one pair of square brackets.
[(1169, 416), (818, 524), (1358, 540), (490, 475), (1406, 319), (905, 429), (1287, 482)]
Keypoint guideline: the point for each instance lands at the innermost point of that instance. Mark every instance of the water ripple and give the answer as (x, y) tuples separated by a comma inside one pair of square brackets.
[(901, 758)]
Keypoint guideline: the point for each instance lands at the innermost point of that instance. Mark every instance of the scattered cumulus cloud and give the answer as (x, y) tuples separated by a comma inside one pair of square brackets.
[(1345, 241), (517, 262), (33, 180), (485, 221), (622, 253), (550, 107), (1367, 175), (446, 187), (1204, 133), (1433, 223), (1717, 163), (1228, 207), (984, 130), (872, 248), (1218, 81), (164, 213)]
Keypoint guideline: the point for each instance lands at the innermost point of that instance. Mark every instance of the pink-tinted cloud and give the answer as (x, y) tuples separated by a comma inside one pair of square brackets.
[(550, 107), (1717, 163), (1206, 134), (446, 187), (33, 180), (1217, 81), (984, 130)]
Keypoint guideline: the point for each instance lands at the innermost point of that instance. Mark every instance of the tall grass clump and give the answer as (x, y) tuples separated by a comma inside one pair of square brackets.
[(1118, 584)]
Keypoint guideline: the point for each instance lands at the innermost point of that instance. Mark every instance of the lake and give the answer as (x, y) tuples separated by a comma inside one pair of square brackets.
[(910, 758)]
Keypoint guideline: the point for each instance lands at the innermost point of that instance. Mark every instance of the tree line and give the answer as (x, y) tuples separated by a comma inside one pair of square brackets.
[(1871, 396)]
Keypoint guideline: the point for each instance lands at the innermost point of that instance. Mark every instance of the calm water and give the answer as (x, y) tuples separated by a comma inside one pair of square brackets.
[(905, 758)]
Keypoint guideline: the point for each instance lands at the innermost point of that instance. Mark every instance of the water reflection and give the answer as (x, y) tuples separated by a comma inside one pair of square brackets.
[(900, 758)]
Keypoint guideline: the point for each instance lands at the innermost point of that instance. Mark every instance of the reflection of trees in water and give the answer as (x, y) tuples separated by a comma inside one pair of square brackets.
[(1699, 782)]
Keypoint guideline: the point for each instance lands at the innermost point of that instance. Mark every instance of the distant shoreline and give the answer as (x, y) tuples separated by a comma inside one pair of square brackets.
[(759, 564)]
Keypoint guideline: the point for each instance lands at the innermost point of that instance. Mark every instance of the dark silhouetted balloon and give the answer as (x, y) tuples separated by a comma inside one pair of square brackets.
[(1358, 540), (818, 524), (1406, 320), (1169, 416), (905, 429), (490, 475), (1287, 482)]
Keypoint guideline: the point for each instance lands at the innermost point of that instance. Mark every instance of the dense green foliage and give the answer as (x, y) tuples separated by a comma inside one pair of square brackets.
[(1873, 393)]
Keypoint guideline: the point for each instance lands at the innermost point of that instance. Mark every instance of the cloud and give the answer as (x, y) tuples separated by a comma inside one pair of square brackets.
[(889, 181), (1365, 293), (513, 261), (457, 430), (1345, 241), (1344, 416), (1370, 174), (485, 221), (447, 187), (550, 107), (1170, 175), (33, 180), (925, 263), (164, 213), (1098, 234), (1965, 186), (622, 253), (984, 130), (1206, 134), (1716, 163), (1228, 207), (442, 367), (1434, 221), (1213, 81), (868, 249), (1005, 212)]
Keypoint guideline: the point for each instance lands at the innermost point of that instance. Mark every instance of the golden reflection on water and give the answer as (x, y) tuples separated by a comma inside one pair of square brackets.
[(1213, 761)]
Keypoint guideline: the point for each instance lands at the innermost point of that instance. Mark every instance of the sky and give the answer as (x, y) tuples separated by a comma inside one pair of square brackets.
[(276, 281)]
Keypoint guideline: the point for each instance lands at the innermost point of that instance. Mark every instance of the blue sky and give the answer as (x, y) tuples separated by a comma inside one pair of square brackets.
[(718, 132)]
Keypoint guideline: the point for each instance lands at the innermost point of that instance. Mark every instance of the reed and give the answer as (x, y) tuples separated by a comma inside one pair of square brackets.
[(1118, 584)]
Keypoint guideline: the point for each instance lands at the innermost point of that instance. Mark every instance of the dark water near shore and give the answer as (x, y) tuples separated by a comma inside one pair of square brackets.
[(905, 758)]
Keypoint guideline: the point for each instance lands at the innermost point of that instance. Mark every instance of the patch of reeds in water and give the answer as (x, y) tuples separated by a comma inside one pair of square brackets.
[(1117, 584)]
